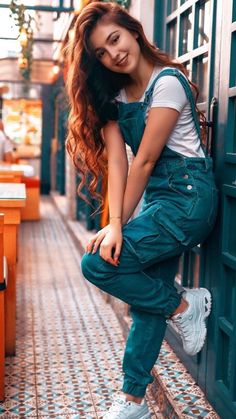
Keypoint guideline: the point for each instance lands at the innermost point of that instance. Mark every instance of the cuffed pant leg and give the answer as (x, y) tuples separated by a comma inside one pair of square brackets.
[(145, 338)]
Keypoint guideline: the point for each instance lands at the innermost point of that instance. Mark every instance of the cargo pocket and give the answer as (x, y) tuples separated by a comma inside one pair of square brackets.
[(148, 239), (172, 226)]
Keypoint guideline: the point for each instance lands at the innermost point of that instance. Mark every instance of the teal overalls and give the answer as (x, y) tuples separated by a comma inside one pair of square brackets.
[(178, 212)]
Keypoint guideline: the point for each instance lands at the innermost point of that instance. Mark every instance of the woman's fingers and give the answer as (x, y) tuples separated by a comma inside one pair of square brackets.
[(117, 252), (106, 254), (90, 244), (97, 242)]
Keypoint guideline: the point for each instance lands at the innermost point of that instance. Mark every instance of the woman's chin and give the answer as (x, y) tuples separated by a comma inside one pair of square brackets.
[(127, 69)]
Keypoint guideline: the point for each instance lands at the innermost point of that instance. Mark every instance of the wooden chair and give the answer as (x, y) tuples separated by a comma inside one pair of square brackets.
[(3, 275)]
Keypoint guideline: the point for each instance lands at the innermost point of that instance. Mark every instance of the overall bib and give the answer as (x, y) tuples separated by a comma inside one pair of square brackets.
[(178, 212)]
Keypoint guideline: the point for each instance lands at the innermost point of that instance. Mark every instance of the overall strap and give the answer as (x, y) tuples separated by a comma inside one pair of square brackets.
[(188, 91)]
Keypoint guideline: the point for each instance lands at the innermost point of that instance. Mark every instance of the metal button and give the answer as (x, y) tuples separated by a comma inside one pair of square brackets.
[(185, 176), (189, 187)]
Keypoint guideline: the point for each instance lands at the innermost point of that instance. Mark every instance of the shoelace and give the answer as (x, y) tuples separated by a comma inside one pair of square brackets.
[(183, 327)]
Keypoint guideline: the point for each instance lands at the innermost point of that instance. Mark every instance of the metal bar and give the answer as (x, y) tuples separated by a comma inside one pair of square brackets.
[(35, 40), (44, 8), (184, 7), (232, 91), (43, 60), (193, 54)]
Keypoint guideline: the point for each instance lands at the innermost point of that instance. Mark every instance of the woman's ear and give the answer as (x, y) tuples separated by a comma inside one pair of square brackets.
[(135, 34)]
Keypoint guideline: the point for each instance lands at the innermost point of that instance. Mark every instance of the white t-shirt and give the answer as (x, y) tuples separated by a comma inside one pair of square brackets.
[(169, 93), (5, 145)]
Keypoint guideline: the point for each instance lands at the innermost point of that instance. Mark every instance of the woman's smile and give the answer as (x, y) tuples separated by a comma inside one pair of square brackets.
[(123, 61)]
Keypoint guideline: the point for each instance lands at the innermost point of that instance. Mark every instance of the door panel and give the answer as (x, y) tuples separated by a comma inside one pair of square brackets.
[(202, 35), (224, 381)]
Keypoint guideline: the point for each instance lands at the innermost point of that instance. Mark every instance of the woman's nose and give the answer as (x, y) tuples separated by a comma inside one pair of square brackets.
[(114, 55)]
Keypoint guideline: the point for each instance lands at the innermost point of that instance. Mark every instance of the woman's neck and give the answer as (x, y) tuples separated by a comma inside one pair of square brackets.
[(141, 75), (139, 80)]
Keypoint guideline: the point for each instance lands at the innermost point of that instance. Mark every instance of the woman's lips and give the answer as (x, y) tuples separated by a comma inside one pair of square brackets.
[(122, 61)]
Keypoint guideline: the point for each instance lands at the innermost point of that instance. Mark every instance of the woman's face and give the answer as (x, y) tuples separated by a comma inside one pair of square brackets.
[(115, 47)]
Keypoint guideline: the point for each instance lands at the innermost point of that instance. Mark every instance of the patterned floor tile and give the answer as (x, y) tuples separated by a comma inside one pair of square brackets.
[(70, 345), (181, 388)]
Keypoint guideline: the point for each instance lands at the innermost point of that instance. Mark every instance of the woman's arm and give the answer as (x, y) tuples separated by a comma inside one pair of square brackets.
[(160, 123), (117, 170), (110, 238)]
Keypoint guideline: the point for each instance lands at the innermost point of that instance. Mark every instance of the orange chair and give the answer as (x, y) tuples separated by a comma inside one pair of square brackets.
[(31, 211), (3, 275), (10, 177)]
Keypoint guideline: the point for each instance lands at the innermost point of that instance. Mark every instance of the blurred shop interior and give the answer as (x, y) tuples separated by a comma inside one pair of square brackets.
[(31, 79)]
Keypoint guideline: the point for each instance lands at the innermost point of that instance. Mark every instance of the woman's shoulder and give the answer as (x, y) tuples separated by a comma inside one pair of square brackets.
[(168, 90), (168, 80), (159, 70), (161, 78)]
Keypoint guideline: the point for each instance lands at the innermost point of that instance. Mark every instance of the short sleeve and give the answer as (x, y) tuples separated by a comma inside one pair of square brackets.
[(169, 93)]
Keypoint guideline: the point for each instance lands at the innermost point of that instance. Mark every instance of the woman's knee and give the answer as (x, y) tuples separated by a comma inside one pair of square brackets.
[(88, 266)]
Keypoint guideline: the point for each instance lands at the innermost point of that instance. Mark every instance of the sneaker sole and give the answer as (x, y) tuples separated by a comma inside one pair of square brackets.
[(147, 416), (206, 309)]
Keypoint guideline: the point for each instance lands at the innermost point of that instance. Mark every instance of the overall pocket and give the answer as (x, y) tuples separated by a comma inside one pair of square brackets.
[(132, 129)]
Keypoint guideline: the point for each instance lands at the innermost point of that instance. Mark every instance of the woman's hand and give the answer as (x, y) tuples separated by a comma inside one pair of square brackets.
[(109, 238), (95, 241), (110, 247)]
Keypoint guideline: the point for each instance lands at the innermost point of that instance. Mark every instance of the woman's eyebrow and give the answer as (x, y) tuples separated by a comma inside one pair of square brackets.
[(112, 33)]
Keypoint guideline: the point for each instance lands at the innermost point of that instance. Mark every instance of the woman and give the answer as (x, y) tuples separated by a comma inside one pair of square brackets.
[(123, 90)]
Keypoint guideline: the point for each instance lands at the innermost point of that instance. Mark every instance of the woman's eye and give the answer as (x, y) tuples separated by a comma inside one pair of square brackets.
[(100, 54), (114, 40)]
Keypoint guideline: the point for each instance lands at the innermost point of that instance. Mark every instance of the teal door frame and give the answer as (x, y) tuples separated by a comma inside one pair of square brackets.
[(221, 378), (60, 132), (62, 117), (210, 57)]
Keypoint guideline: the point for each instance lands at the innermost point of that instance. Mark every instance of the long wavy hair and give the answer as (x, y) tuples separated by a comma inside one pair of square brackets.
[(91, 99)]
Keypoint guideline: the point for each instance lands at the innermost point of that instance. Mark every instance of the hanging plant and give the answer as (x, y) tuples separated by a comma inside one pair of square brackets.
[(25, 24), (123, 3)]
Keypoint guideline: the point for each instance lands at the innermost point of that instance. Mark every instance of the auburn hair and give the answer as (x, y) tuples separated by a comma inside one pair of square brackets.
[(91, 99)]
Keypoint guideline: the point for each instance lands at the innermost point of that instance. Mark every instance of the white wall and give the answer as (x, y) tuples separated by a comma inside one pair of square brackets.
[(143, 10)]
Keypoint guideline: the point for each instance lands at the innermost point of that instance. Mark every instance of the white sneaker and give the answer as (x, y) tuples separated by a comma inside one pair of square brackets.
[(121, 409), (191, 323)]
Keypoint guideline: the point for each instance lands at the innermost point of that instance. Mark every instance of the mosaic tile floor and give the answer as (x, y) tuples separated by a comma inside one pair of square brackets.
[(175, 391), (69, 343), (187, 398)]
